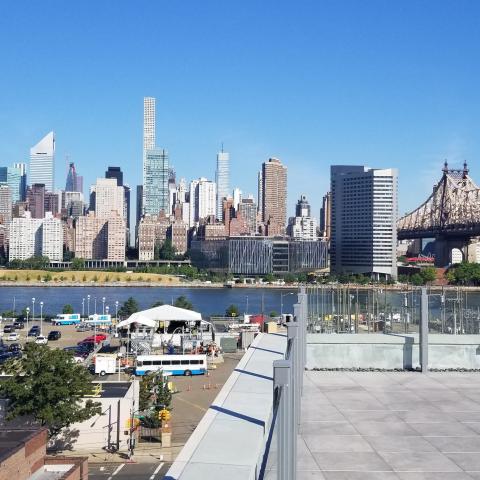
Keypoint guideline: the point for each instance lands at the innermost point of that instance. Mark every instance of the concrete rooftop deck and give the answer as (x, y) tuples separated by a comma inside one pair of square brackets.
[(382, 425)]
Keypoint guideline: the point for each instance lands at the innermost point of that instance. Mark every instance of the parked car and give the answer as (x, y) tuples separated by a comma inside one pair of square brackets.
[(15, 347), (13, 337), (18, 325), (54, 335), (83, 328), (97, 338), (41, 340), (34, 331), (87, 346), (8, 328)]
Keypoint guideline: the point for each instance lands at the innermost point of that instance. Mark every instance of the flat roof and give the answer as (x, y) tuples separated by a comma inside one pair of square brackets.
[(11, 439), (114, 389), (389, 425)]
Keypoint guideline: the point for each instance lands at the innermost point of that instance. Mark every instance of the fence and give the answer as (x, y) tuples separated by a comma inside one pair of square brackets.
[(353, 309), (287, 393)]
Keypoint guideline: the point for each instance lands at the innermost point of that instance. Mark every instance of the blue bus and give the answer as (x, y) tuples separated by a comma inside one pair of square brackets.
[(171, 364)]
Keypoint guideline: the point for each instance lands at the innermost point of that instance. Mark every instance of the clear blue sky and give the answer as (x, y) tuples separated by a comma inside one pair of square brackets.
[(315, 83)]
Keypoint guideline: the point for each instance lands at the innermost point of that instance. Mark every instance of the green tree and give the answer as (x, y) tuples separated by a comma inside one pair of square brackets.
[(232, 311), (182, 302), (128, 308), (167, 250), (49, 386), (157, 304), (417, 279), (273, 314), (67, 309), (269, 278), (154, 395), (78, 264), (429, 274)]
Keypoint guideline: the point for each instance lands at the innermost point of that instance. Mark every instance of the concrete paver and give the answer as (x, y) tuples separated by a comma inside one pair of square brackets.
[(380, 425)]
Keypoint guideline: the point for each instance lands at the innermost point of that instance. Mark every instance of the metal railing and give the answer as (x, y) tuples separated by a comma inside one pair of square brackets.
[(287, 393)]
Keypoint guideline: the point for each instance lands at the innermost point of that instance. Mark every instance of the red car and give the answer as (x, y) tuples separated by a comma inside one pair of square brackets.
[(100, 337)]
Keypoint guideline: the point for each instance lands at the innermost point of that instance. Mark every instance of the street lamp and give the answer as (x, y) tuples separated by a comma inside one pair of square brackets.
[(88, 305), (83, 307), (95, 305), (103, 305), (41, 318), (33, 308), (27, 310), (281, 300), (116, 311)]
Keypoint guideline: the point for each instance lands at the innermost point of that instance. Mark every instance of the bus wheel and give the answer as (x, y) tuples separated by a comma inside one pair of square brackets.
[(103, 373), (188, 373)]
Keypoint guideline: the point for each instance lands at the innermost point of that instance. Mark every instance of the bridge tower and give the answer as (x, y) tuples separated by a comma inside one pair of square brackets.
[(451, 215)]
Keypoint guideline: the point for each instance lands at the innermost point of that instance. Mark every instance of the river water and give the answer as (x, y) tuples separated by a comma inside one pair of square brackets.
[(461, 309), (208, 301)]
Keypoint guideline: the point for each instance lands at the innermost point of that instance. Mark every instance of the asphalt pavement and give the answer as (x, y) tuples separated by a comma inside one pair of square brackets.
[(127, 471)]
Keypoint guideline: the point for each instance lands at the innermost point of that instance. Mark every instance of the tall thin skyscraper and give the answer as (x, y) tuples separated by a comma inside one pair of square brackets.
[(149, 139), (222, 180), (155, 165), (42, 162), (274, 196)]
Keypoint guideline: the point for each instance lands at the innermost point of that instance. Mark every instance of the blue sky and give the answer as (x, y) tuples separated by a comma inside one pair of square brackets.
[(314, 83)]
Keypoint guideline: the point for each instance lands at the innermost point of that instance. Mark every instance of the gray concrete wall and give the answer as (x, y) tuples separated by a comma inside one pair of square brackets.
[(391, 351)]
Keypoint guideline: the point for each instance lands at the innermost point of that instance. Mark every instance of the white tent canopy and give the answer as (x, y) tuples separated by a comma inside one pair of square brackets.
[(164, 313)]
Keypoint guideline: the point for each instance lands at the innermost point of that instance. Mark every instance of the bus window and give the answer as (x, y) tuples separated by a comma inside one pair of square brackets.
[(157, 362), (166, 362), (139, 363), (185, 362), (147, 362), (195, 362), (175, 362)]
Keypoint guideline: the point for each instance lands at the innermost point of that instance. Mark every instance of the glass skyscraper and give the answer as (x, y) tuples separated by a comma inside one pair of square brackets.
[(222, 180), (12, 177), (155, 183), (42, 162)]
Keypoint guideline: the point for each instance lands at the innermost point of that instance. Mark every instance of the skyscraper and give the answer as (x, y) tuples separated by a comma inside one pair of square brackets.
[(149, 139), (71, 184), (115, 172), (36, 200), (109, 198), (274, 196), (23, 180), (222, 181), (302, 226), (42, 162), (12, 176), (155, 165), (364, 217), (155, 181), (202, 200)]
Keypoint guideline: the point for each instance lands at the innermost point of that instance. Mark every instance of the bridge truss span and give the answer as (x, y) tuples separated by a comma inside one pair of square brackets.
[(453, 209)]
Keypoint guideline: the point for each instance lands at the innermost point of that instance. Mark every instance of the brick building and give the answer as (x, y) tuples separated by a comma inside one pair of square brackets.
[(23, 455)]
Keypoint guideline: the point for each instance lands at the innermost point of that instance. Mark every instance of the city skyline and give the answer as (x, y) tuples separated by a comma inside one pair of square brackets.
[(365, 84)]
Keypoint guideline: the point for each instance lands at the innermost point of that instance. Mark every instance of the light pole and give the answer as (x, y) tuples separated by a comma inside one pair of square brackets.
[(33, 308), (83, 307), (41, 318), (27, 310), (107, 309), (88, 306), (103, 305), (116, 312), (281, 301)]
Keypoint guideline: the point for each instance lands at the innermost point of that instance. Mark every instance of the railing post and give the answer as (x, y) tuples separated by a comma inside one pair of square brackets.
[(303, 323), (282, 386), (295, 357), (424, 331)]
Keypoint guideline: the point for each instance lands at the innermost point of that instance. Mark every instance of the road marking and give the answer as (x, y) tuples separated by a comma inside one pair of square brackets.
[(160, 465), (191, 404), (116, 471), (102, 469)]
